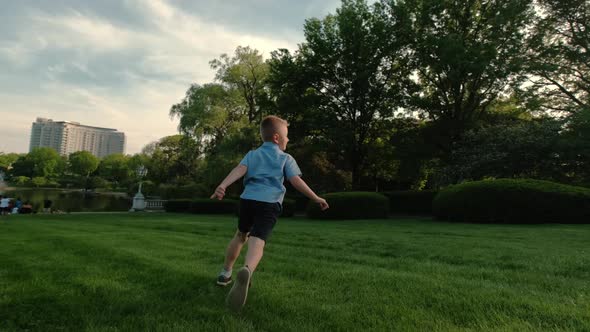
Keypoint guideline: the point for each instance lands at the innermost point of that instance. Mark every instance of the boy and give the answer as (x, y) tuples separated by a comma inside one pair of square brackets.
[(260, 203)]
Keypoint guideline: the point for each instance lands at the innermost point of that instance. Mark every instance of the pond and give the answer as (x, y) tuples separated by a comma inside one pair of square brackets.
[(71, 200)]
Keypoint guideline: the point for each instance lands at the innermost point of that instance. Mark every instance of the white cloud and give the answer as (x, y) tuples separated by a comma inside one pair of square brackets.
[(151, 69)]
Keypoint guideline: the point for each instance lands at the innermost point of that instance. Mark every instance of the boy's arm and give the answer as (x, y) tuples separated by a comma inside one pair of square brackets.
[(232, 177), (303, 188)]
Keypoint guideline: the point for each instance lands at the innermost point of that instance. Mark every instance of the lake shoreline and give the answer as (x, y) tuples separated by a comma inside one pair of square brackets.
[(67, 190)]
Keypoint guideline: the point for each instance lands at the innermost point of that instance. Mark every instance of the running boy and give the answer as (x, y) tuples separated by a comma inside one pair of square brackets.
[(260, 203)]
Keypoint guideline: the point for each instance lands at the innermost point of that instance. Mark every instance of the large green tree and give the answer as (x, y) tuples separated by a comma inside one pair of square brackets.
[(40, 162), (560, 58), (208, 112), (115, 168), (463, 56), (245, 72), (6, 160), (349, 67), (172, 159), (83, 163)]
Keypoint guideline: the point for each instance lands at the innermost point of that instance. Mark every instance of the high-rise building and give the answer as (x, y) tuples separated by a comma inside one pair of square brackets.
[(68, 137)]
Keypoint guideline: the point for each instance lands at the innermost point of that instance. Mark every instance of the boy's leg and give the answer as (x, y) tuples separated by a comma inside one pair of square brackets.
[(236, 298), (255, 251), (233, 249)]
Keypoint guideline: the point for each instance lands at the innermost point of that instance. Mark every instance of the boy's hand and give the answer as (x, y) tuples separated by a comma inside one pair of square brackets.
[(219, 193), (323, 204)]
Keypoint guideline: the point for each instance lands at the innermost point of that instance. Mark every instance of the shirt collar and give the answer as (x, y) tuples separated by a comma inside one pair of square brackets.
[(270, 145)]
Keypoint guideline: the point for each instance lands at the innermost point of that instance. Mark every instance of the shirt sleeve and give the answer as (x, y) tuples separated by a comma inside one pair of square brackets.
[(246, 160), (291, 168)]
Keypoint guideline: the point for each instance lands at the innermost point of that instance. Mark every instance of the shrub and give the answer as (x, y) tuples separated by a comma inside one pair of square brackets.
[(170, 191), (351, 205), (148, 188), (288, 208), (204, 206), (513, 201), (38, 181), (22, 181), (411, 201), (178, 205)]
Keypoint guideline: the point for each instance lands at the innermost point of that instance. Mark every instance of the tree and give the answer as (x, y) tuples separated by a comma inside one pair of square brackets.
[(245, 72), (39, 181), (463, 56), (115, 168), (577, 142), (208, 112), (560, 57), (83, 163), (350, 67), (41, 162), (6, 160), (172, 159), (526, 148), (291, 95)]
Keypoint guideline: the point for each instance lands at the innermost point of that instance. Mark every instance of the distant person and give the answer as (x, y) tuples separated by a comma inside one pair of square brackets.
[(47, 206), (27, 208), (4, 205), (18, 204)]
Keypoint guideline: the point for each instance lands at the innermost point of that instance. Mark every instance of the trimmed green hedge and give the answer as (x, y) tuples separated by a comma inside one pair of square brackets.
[(351, 205), (210, 206), (411, 201), (170, 191), (513, 201), (204, 205), (288, 208)]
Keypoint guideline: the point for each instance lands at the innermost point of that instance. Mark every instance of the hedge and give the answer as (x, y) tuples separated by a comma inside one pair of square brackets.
[(210, 206), (204, 205), (411, 201), (351, 205), (288, 208), (513, 201), (170, 191)]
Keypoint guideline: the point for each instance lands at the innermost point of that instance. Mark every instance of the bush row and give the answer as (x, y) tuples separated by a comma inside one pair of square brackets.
[(513, 201), (490, 201), (203, 205), (351, 205), (211, 206), (411, 201)]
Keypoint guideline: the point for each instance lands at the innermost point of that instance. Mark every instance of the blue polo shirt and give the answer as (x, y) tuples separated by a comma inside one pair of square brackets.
[(268, 167)]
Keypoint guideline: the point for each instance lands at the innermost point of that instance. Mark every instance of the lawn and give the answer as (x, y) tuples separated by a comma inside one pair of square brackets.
[(123, 272)]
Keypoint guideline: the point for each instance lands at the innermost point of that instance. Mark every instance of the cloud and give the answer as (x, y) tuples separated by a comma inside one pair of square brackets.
[(122, 64)]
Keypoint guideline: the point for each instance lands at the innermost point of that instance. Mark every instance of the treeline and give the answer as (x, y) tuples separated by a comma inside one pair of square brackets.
[(408, 94), (397, 95)]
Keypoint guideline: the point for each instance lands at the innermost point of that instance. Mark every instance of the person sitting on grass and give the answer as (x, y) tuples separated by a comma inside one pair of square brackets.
[(260, 203), (27, 208)]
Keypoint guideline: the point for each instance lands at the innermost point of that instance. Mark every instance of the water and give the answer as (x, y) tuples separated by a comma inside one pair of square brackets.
[(72, 201)]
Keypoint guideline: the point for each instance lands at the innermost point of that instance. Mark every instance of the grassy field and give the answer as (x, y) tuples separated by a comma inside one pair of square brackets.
[(156, 272)]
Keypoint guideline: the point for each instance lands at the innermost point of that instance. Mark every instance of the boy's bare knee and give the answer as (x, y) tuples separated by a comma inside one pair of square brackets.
[(243, 237)]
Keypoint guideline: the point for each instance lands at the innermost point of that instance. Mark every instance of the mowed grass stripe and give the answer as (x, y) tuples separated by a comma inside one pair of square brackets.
[(156, 272)]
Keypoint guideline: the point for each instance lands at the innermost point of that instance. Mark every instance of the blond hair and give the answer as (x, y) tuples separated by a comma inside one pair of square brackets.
[(270, 125)]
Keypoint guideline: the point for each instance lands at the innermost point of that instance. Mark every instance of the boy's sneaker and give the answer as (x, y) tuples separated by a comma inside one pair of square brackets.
[(239, 292), (223, 280)]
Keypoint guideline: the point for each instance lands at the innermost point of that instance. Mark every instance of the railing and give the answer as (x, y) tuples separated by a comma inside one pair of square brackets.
[(154, 204)]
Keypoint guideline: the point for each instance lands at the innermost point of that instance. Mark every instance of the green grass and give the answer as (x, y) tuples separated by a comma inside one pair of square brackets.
[(156, 272)]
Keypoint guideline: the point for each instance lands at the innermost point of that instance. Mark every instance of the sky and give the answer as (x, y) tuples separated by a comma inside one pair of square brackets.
[(123, 63)]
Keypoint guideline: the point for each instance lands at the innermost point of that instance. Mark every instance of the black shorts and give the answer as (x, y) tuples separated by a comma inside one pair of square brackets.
[(258, 218)]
